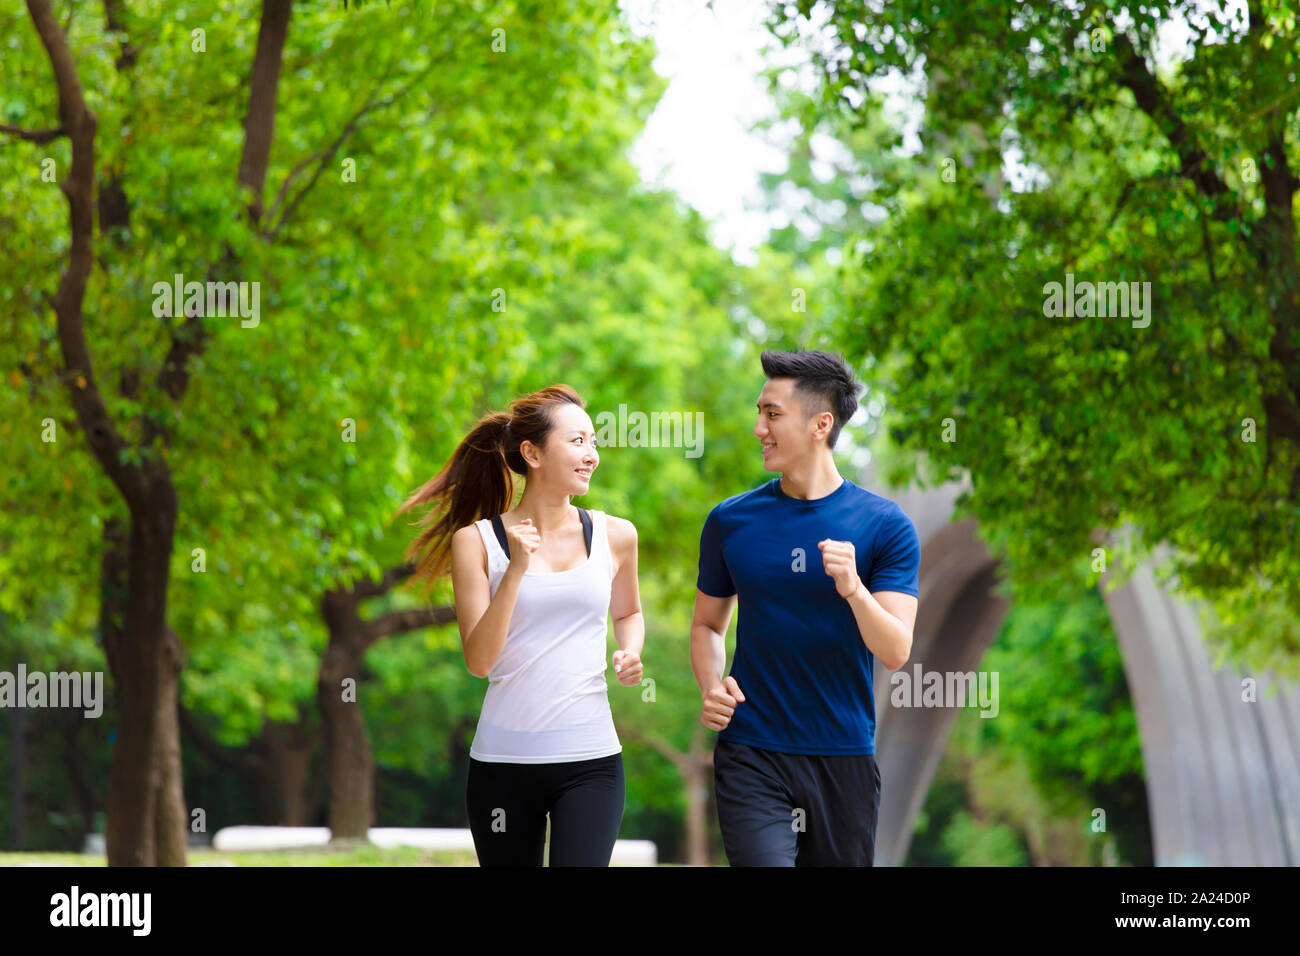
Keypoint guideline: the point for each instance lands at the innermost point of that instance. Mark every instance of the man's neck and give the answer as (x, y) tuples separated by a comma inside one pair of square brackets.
[(815, 479)]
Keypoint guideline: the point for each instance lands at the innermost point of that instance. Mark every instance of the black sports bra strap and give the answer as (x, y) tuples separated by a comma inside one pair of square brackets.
[(585, 515), (500, 528)]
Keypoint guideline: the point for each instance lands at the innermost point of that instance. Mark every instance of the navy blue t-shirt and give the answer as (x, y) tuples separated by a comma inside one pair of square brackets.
[(800, 660)]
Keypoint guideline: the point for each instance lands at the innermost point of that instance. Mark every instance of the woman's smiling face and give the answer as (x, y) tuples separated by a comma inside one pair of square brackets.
[(570, 457)]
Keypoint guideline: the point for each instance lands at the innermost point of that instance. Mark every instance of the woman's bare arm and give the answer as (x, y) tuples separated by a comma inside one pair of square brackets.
[(483, 618)]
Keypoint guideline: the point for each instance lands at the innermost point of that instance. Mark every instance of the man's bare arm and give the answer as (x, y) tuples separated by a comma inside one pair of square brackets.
[(885, 621), (709, 626)]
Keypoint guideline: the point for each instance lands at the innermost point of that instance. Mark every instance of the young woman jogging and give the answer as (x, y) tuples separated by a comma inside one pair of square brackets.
[(533, 587)]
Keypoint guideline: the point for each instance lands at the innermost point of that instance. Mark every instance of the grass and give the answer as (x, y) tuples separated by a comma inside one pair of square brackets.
[(308, 856)]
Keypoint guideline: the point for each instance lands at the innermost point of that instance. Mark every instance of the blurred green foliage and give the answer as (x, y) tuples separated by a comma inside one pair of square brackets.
[(496, 239)]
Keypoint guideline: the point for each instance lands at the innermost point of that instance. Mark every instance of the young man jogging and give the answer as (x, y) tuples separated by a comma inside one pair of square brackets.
[(826, 577)]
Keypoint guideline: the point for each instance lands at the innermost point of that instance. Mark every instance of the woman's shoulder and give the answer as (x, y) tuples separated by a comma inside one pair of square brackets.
[(621, 531), (465, 535), (467, 545)]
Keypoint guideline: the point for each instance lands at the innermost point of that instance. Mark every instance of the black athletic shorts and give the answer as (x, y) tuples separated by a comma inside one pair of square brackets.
[(780, 809)]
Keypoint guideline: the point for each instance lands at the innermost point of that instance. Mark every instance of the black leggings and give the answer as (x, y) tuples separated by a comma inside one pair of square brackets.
[(508, 804)]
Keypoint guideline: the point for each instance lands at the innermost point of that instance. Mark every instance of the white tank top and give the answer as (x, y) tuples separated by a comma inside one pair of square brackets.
[(547, 700)]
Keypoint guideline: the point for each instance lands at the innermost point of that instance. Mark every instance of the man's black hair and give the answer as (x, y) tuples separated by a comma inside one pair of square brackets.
[(823, 382)]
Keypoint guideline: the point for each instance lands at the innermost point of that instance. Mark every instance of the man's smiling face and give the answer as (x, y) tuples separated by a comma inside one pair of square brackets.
[(784, 433)]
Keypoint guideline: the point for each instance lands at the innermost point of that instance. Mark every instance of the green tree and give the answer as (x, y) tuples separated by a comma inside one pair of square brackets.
[(273, 434), (1131, 169)]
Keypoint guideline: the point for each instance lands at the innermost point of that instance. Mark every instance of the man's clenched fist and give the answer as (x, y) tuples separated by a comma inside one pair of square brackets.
[(720, 703), (841, 563)]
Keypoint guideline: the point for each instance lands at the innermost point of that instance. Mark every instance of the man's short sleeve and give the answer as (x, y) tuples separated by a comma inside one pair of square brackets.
[(714, 577), (896, 562)]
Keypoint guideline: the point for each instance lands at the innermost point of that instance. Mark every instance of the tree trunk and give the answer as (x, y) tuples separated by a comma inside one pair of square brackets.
[(142, 695), (277, 766), (286, 771), (87, 801), (695, 774), (349, 761), (19, 792), (146, 822), (695, 765), (145, 485), (264, 88), (130, 829), (350, 764), (171, 821)]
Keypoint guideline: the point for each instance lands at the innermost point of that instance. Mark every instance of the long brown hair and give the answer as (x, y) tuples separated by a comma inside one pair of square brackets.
[(476, 482)]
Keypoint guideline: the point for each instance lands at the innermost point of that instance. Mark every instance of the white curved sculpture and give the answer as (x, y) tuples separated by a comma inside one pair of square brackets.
[(1223, 774)]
